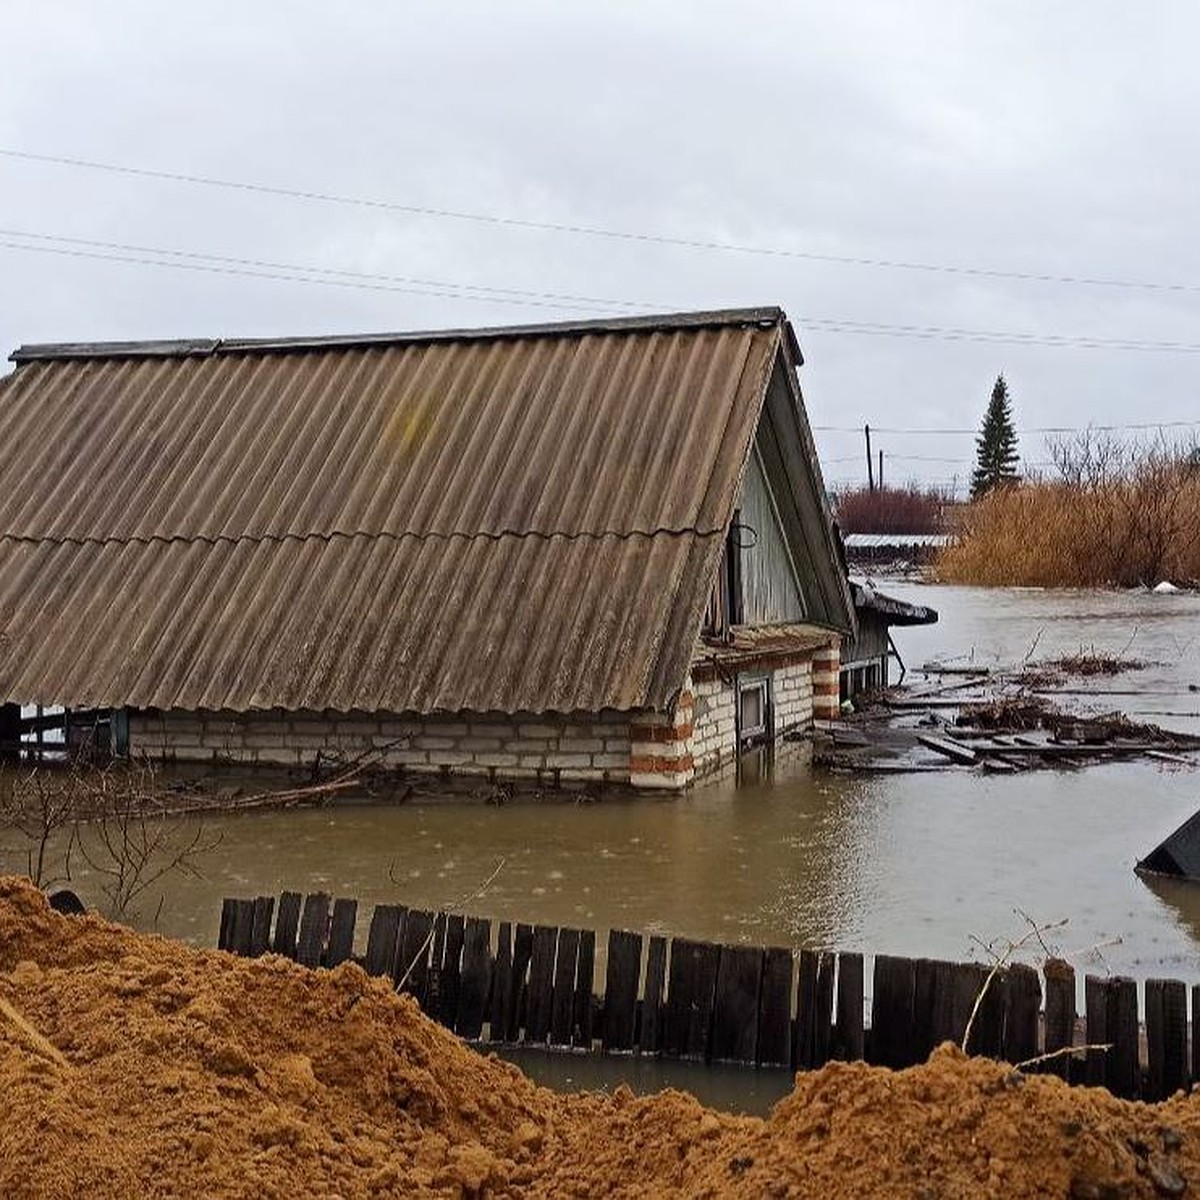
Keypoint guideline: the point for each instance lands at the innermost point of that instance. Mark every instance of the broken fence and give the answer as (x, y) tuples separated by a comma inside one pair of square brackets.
[(534, 985)]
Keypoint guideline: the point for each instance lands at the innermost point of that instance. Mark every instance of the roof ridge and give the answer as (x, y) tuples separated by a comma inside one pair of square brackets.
[(207, 347)]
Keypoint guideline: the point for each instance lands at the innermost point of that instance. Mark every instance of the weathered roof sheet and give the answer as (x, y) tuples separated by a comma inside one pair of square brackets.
[(514, 520), (875, 541)]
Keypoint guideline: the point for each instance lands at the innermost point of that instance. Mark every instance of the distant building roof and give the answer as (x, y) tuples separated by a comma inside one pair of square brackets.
[(893, 611), (508, 519), (872, 541)]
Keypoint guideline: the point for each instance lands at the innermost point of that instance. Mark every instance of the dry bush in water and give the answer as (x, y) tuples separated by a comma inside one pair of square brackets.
[(1119, 514), (891, 510), (115, 819)]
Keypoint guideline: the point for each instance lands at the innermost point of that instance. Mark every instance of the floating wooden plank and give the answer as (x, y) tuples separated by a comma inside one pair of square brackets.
[(450, 988), (1023, 1012), (501, 984), (541, 984), (690, 993), (341, 931), (1060, 1017), (314, 926), (287, 924), (775, 1008), (849, 1035), (949, 749), (411, 971), (475, 978), (1166, 1037), (260, 937), (562, 1003), (622, 975), (584, 976), (1095, 995), (736, 1005), (1124, 1076), (382, 936), (522, 952), (891, 1011)]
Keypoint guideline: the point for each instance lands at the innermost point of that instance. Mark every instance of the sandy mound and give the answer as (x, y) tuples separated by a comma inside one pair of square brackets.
[(170, 1072)]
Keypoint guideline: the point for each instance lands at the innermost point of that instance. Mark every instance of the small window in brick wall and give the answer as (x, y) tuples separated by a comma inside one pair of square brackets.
[(754, 712)]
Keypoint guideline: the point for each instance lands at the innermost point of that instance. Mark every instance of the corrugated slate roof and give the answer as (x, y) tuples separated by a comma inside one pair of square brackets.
[(513, 520)]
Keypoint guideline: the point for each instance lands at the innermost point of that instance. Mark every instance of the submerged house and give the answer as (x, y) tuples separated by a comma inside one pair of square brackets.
[(596, 551)]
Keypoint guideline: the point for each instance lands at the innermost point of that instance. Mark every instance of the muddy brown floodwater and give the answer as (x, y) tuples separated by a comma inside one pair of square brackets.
[(907, 864)]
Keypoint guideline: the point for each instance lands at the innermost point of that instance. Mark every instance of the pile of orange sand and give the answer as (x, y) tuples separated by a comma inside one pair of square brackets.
[(132, 1066)]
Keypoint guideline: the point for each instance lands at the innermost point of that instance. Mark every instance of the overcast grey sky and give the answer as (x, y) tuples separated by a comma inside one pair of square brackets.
[(1020, 137)]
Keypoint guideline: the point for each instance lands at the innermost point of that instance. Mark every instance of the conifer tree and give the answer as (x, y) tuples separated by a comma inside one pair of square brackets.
[(996, 445)]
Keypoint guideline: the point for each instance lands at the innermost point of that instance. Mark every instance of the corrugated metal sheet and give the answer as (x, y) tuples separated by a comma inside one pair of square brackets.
[(515, 521), (882, 541)]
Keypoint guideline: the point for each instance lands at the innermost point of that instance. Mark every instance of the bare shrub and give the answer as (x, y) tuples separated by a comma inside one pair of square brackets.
[(891, 510), (117, 820), (1118, 514)]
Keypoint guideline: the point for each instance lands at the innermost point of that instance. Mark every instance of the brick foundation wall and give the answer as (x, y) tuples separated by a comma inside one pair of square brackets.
[(544, 748), (714, 725), (792, 688)]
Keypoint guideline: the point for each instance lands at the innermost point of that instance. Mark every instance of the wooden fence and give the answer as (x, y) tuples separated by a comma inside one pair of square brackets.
[(534, 985)]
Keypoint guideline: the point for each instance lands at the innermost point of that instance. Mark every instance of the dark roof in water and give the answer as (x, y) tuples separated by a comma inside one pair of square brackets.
[(514, 520), (893, 611)]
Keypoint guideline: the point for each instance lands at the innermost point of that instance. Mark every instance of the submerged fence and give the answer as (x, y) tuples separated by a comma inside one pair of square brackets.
[(535, 985)]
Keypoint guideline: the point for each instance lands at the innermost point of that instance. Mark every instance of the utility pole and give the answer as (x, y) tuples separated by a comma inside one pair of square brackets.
[(881, 470), (870, 468)]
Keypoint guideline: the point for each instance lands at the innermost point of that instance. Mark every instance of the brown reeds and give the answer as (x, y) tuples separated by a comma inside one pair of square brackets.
[(1116, 517)]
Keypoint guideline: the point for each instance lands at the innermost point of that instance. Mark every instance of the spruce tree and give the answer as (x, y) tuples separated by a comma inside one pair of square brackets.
[(996, 446)]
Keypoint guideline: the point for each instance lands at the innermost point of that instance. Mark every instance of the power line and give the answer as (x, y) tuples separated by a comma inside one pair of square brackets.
[(596, 231), (220, 264), (930, 432)]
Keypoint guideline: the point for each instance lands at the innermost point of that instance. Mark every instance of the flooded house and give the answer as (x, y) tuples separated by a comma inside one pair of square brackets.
[(588, 552)]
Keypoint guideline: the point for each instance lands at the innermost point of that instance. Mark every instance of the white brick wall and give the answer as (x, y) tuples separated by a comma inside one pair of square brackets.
[(540, 747), (793, 692)]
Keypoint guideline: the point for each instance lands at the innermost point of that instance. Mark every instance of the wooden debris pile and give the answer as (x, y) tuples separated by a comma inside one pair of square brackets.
[(995, 720)]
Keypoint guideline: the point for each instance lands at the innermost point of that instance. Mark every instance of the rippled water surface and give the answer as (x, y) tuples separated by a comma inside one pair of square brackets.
[(907, 864)]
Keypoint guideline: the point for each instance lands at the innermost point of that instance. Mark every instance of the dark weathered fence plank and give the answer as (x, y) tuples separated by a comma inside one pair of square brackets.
[(382, 936), (1166, 1037), (622, 975), (260, 936), (412, 957), (650, 1039), (775, 1008), (735, 1005), (1023, 1011), (226, 930), (804, 1028), (1124, 1069), (1195, 1033), (987, 1033), (849, 1035), (522, 952), (501, 984), (475, 978), (287, 924), (437, 956), (689, 1014), (581, 1032), (541, 984), (562, 1004), (1095, 996), (314, 925), (1060, 1017), (823, 1020), (450, 988), (341, 931), (925, 979), (942, 1027), (241, 930), (891, 1043)]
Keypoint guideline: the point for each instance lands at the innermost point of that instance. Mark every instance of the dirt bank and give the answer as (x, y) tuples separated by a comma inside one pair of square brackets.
[(133, 1066)]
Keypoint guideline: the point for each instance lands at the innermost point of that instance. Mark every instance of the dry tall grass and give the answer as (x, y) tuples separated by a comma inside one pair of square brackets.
[(1132, 521)]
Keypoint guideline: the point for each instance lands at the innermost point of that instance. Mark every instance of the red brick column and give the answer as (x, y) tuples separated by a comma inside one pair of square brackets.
[(660, 747), (826, 683)]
